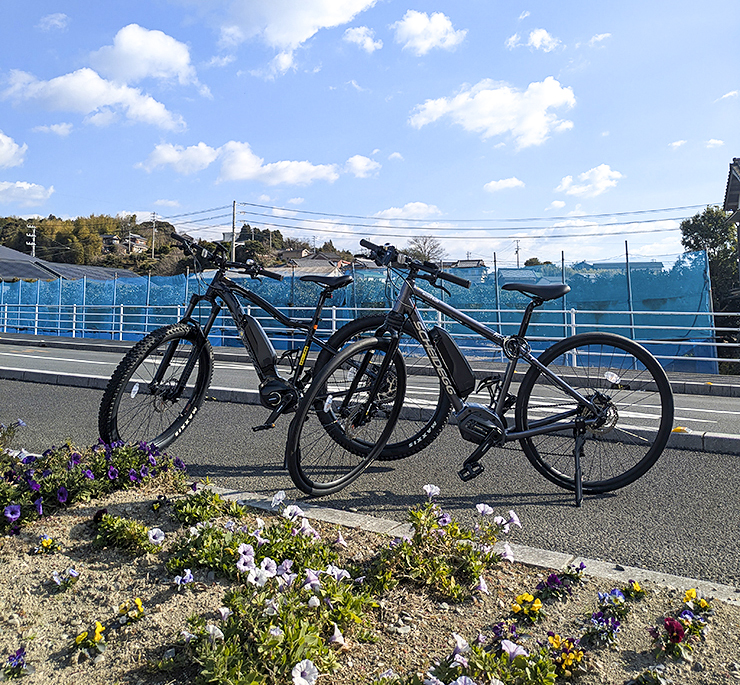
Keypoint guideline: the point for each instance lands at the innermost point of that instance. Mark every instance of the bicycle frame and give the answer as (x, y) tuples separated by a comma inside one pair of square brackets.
[(514, 347), (252, 334)]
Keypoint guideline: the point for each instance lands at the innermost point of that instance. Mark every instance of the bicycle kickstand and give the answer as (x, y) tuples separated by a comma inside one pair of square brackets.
[(580, 441)]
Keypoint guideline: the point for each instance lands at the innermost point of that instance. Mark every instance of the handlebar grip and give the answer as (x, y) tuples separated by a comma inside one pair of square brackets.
[(370, 246), (445, 276), (270, 274)]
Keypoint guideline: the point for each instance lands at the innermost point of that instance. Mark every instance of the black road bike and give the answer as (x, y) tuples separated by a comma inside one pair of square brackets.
[(592, 413), (158, 387)]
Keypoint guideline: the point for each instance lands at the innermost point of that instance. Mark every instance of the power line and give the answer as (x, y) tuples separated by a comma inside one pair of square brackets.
[(551, 218)]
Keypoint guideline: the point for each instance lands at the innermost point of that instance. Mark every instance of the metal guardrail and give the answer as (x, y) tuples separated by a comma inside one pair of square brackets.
[(678, 339)]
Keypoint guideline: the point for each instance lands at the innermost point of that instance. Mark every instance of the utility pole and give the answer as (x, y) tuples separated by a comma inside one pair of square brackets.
[(32, 236), (154, 228), (233, 231), (517, 253)]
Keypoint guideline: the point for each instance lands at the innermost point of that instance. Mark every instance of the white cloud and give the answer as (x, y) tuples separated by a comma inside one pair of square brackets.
[(728, 96), (512, 41), (503, 184), (556, 204), (84, 91), (677, 144), (411, 210), (492, 108), (598, 38), (138, 53), (61, 130), (715, 143), (396, 155), (22, 193), (524, 15), (592, 182), (183, 160), (53, 22), (281, 24), (241, 164), (296, 201), (539, 39), (11, 154), (167, 203), (420, 33), (361, 166), (364, 37), (220, 61)]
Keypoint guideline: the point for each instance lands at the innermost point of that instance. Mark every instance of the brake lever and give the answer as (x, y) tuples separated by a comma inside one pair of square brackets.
[(433, 280)]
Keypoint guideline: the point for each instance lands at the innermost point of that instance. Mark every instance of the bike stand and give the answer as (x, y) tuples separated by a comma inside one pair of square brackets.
[(580, 432)]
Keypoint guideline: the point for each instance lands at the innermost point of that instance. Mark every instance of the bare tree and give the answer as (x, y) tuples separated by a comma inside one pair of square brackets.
[(426, 248)]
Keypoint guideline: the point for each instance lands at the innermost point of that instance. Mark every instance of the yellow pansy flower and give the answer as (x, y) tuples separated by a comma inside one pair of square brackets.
[(99, 628), (555, 641), (516, 608), (82, 636), (139, 605), (537, 605), (690, 594)]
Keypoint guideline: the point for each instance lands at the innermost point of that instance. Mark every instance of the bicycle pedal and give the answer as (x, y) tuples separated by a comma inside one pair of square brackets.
[(263, 427), (470, 471)]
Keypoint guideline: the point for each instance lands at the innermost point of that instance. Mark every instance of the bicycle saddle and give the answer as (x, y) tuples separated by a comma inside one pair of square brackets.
[(545, 292), (331, 282)]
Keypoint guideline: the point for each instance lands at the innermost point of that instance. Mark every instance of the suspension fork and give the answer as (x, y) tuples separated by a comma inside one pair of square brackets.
[(394, 322), (198, 343)]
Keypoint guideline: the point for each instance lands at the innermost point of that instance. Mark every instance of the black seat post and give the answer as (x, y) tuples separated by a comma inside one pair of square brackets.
[(535, 302)]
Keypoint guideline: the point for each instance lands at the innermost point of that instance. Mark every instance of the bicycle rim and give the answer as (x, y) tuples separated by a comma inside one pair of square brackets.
[(137, 408), (328, 422), (631, 389)]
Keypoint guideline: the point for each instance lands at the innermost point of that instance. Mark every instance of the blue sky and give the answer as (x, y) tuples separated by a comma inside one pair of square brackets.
[(543, 126)]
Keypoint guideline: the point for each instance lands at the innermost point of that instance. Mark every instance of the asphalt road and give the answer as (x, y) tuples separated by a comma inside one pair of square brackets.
[(680, 518)]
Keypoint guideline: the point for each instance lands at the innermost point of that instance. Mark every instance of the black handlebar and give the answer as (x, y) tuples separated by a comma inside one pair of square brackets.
[(388, 254), (252, 268)]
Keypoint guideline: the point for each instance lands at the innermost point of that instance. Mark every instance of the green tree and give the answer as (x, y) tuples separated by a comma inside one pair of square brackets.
[(711, 231)]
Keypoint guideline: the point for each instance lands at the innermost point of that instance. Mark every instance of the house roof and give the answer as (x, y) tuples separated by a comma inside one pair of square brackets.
[(732, 192), (14, 264)]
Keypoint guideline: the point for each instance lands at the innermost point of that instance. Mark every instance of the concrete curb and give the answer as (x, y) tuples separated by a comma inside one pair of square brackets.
[(531, 556), (685, 440)]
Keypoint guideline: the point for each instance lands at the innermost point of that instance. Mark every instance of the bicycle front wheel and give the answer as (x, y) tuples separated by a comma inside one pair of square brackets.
[(157, 387), (349, 401), (635, 411), (425, 409)]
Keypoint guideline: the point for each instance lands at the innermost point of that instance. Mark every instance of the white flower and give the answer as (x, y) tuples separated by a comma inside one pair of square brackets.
[(314, 602), (269, 567), (431, 491), (257, 577), (337, 638), (214, 632), (514, 519), (292, 512), (507, 553), (276, 631), (245, 550), (225, 612), (305, 673), (260, 523), (484, 509), (461, 645), (156, 536), (245, 564), (340, 540), (278, 498)]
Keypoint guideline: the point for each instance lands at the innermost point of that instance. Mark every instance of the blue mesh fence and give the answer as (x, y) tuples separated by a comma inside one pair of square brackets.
[(127, 308)]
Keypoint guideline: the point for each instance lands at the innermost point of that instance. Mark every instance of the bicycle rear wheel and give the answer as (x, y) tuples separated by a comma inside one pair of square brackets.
[(336, 413), (635, 401), (152, 401), (425, 411)]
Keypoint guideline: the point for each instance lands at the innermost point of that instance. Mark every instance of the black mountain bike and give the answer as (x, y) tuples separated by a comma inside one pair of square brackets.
[(158, 387), (593, 413)]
